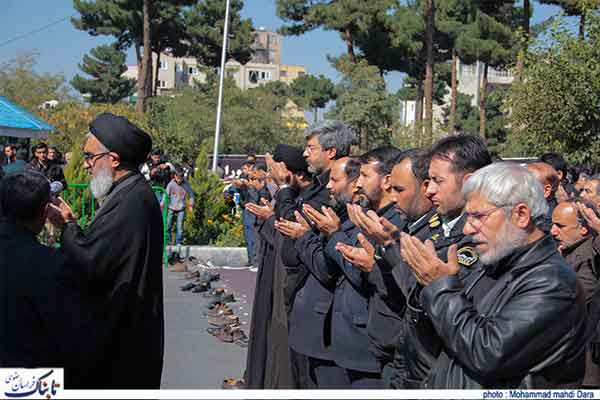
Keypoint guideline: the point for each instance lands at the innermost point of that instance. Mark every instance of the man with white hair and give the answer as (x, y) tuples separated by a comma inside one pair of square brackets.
[(520, 320), (121, 252)]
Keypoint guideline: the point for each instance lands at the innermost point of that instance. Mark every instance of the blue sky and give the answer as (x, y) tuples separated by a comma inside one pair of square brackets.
[(61, 47)]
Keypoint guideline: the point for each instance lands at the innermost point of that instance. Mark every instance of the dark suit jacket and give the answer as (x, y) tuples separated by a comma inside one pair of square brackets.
[(45, 320)]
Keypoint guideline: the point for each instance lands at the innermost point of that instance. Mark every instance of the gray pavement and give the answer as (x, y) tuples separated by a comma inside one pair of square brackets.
[(194, 359)]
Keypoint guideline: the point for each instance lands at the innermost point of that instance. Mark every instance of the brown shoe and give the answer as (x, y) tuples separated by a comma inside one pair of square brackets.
[(233, 383), (192, 275), (224, 334), (219, 310), (178, 267), (224, 320)]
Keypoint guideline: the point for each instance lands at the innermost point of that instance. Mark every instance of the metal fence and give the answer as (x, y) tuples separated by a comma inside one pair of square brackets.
[(83, 203)]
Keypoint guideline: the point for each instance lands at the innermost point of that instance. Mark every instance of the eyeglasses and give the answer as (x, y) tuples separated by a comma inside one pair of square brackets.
[(92, 158), (310, 148), (478, 218)]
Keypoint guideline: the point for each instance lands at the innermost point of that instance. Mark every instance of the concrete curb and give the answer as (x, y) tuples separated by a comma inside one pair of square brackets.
[(218, 256)]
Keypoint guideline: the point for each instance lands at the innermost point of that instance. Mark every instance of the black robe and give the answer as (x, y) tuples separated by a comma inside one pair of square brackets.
[(121, 256), (269, 363)]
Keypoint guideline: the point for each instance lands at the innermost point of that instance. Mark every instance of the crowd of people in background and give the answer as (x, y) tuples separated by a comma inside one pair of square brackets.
[(440, 267)]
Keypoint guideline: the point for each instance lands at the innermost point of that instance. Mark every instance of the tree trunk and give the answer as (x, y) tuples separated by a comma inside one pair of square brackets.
[(525, 41), (156, 80), (350, 44), (582, 26), (482, 98), (429, 74), (146, 61), (419, 113), (364, 137), (453, 92), (316, 116)]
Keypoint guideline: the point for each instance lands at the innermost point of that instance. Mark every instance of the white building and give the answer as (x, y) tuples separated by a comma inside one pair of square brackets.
[(469, 82)]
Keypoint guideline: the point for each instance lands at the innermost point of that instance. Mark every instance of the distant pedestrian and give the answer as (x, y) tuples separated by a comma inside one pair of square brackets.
[(177, 191)]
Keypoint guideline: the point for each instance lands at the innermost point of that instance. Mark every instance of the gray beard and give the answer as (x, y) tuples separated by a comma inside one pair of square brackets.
[(101, 183), (507, 240)]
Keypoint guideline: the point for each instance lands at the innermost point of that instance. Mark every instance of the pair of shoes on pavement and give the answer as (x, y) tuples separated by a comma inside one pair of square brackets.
[(196, 287), (219, 297), (203, 276), (230, 334), (222, 320), (219, 310), (232, 383)]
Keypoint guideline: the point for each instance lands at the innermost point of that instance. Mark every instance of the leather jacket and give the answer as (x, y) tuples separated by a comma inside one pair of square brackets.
[(525, 329)]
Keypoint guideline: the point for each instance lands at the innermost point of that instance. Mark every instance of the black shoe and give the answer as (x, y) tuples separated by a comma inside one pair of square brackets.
[(201, 287), (188, 286)]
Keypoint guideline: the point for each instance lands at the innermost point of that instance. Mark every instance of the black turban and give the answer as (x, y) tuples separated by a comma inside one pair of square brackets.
[(292, 158), (119, 135)]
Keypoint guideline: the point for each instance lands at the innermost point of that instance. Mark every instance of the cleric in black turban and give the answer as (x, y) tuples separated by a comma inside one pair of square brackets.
[(117, 134), (121, 254), (292, 157)]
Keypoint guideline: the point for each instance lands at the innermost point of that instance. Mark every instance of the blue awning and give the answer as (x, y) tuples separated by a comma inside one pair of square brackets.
[(15, 121)]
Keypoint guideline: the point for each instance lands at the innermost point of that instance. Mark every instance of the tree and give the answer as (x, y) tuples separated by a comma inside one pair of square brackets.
[(343, 16), (363, 102), (489, 40), (555, 106), (105, 65), (314, 92), (205, 25), (124, 19), (576, 8), (21, 84)]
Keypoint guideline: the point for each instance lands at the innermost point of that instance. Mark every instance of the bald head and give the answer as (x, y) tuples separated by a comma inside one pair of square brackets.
[(546, 175), (568, 226)]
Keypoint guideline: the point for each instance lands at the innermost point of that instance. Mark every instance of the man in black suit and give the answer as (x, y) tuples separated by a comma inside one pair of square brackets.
[(45, 321)]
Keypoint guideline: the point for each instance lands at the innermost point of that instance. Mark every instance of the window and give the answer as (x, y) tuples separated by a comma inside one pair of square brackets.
[(265, 75), (178, 67), (283, 74), (162, 84), (300, 73), (193, 71), (253, 76), (164, 65)]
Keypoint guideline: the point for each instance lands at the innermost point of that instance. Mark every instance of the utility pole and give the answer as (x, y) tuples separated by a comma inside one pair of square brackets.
[(221, 78)]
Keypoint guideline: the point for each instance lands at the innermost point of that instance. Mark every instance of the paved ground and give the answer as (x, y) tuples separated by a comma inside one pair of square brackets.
[(193, 358)]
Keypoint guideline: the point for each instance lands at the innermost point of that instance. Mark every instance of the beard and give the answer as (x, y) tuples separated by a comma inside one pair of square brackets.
[(507, 240), (101, 182)]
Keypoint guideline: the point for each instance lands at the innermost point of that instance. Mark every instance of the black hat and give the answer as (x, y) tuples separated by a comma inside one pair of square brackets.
[(124, 138), (292, 158)]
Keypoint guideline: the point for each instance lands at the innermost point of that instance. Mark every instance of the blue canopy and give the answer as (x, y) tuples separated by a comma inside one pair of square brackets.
[(15, 121)]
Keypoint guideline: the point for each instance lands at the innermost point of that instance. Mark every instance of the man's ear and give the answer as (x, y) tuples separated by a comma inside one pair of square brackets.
[(547, 190), (116, 160), (386, 183), (584, 231), (521, 215), (331, 153), (466, 176)]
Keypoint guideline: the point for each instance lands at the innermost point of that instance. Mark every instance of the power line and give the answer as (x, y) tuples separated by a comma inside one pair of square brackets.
[(33, 32)]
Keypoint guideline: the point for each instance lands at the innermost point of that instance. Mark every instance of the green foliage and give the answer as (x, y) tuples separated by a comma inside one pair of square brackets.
[(312, 91), (211, 221), (363, 103), (252, 120), (105, 65), (205, 25), (555, 107), (22, 85)]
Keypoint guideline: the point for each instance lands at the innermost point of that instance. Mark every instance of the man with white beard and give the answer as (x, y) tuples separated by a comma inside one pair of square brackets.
[(520, 321), (121, 252)]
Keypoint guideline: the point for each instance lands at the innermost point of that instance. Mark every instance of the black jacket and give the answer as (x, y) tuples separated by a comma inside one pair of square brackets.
[(526, 329), (45, 318)]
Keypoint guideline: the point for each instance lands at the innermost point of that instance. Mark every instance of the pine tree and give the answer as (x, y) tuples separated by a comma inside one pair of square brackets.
[(577, 8), (105, 65), (205, 24), (314, 92)]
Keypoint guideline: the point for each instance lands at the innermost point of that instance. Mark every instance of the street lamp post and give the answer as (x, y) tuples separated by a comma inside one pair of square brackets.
[(221, 78)]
